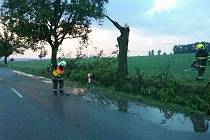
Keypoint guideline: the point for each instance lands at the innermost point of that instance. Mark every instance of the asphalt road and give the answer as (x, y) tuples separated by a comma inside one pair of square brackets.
[(29, 111)]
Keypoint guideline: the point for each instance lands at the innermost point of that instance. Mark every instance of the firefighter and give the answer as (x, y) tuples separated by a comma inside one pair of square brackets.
[(57, 77), (200, 61)]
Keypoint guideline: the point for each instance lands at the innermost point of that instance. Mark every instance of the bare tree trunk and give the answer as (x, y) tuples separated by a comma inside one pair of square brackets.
[(122, 56), (123, 47), (5, 59), (54, 55)]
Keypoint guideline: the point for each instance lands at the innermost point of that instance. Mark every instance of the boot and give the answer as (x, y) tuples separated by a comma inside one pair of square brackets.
[(55, 93), (199, 78), (61, 92)]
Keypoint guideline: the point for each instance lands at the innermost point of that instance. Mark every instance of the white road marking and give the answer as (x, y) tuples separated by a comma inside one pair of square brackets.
[(16, 92), (47, 81)]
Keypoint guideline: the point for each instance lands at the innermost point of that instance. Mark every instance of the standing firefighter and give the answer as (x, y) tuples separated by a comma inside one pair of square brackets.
[(200, 61), (57, 77)]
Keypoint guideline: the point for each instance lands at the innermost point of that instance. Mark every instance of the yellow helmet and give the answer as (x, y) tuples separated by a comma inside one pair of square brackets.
[(200, 46)]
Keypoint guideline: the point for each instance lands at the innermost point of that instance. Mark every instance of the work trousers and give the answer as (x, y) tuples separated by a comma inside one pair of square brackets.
[(200, 71), (58, 82)]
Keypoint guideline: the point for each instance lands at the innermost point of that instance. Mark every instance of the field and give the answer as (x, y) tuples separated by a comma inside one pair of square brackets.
[(182, 89), (179, 66), (38, 67), (150, 65)]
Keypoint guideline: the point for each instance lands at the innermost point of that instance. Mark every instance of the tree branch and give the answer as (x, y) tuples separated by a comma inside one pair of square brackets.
[(70, 27), (115, 23), (71, 37)]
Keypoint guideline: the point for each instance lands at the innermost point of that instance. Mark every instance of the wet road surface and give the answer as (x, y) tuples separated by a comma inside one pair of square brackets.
[(29, 111)]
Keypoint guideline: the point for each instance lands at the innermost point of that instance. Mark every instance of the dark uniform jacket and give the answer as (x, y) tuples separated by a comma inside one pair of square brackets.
[(201, 58)]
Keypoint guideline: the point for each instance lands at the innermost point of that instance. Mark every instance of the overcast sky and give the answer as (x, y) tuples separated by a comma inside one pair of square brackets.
[(154, 24)]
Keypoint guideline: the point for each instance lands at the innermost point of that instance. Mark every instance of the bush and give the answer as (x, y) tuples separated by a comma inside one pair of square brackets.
[(163, 86), (79, 76), (105, 77), (101, 69)]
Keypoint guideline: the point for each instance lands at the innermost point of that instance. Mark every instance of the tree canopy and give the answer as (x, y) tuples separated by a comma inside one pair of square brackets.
[(189, 48), (9, 44), (51, 21)]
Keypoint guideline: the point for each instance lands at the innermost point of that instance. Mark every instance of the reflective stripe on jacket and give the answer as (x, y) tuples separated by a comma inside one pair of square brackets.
[(201, 58), (58, 72)]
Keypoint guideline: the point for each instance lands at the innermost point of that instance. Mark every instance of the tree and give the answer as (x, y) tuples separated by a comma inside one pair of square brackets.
[(116, 51), (152, 52), (123, 47), (12, 60), (199, 124), (51, 21), (189, 48), (1, 54), (80, 54), (42, 53), (149, 53), (158, 52), (10, 44)]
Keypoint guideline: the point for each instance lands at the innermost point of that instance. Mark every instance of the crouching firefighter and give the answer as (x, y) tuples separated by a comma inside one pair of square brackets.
[(200, 61), (57, 77)]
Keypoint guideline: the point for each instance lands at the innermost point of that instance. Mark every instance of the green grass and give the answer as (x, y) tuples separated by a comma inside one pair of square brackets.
[(116, 95), (178, 64), (33, 66), (149, 64)]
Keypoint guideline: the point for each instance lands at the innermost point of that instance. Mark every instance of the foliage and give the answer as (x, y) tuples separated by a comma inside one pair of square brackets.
[(152, 52), (101, 69), (9, 44), (189, 48), (158, 52), (51, 21), (12, 60), (164, 76), (43, 53), (161, 85)]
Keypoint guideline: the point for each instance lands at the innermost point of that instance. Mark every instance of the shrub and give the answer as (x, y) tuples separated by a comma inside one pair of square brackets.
[(163, 86), (105, 77)]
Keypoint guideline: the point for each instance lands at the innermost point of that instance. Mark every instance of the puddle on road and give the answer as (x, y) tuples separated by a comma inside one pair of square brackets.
[(166, 118), (163, 117)]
